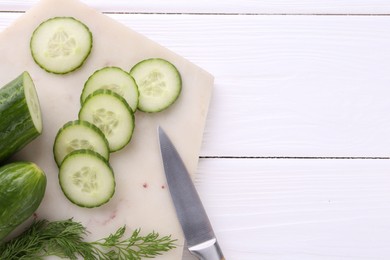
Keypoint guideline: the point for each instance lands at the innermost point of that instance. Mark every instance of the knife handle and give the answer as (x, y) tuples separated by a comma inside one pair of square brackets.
[(209, 250)]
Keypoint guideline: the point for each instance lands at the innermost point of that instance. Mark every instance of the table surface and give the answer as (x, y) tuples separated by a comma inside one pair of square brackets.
[(295, 156)]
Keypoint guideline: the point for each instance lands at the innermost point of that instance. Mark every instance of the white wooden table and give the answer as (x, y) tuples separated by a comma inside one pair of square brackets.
[(295, 158)]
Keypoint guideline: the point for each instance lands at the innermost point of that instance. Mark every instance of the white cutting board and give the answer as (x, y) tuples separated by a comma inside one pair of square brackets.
[(142, 199)]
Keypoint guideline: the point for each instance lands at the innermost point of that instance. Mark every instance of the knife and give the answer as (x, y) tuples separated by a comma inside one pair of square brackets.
[(199, 234)]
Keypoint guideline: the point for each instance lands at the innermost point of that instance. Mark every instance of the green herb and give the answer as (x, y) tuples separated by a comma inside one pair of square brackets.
[(65, 239)]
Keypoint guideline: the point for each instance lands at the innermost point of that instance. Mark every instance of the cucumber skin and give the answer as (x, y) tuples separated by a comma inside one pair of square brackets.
[(88, 153), (167, 105), (22, 187), (112, 93), (83, 97), (79, 122), (16, 126), (74, 68)]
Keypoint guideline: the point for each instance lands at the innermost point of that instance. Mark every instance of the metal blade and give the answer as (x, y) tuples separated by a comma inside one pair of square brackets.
[(189, 209)]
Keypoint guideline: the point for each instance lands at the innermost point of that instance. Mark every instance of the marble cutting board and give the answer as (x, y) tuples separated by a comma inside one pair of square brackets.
[(142, 199)]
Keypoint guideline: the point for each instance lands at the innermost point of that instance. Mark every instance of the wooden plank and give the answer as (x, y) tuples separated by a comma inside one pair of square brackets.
[(298, 209), (226, 6), (285, 85), (290, 86)]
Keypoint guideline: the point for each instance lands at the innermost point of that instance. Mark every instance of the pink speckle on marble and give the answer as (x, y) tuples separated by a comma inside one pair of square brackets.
[(111, 217)]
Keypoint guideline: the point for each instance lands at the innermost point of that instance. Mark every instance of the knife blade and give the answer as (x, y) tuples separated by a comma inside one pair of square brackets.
[(197, 229)]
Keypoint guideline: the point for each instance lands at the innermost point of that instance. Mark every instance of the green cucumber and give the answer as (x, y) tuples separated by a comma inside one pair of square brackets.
[(77, 135), (20, 114), (159, 84), (112, 115), (61, 44), (115, 79), (22, 187), (87, 179)]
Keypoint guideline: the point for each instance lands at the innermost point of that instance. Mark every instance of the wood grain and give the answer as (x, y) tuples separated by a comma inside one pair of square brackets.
[(298, 209), (298, 86), (287, 87)]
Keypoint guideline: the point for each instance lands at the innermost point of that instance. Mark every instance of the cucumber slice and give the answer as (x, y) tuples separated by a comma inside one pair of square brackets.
[(61, 44), (115, 79), (20, 114), (77, 135), (87, 179), (159, 84), (111, 113)]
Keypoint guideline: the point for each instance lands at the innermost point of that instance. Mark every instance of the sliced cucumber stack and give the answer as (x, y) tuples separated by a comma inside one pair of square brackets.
[(159, 84), (115, 79), (106, 123), (112, 115), (61, 44), (86, 178), (78, 135)]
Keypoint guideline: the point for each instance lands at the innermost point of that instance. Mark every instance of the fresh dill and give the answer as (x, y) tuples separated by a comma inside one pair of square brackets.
[(65, 239)]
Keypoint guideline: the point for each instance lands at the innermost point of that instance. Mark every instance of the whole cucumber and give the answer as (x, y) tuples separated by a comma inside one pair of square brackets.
[(22, 187), (20, 115)]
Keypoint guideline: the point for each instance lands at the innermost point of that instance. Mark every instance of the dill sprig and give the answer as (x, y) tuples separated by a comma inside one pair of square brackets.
[(65, 239)]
